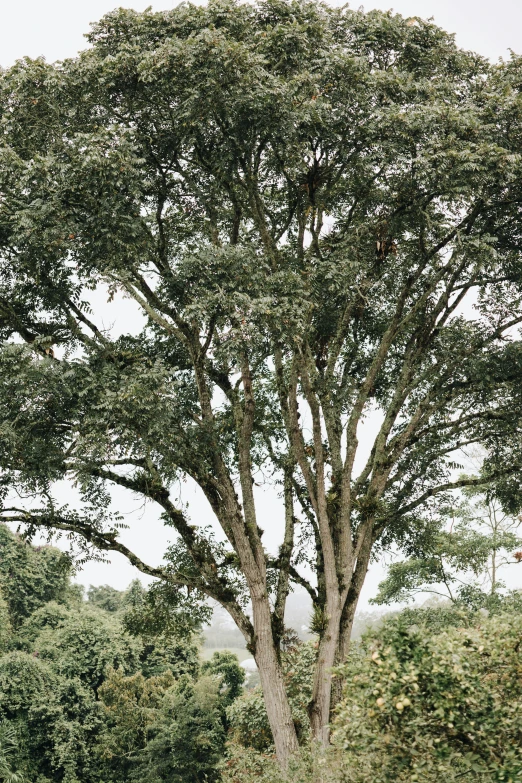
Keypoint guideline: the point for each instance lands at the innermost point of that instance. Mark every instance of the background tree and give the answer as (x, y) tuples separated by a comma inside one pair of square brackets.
[(316, 212), (31, 577), (130, 705), (223, 666), (106, 597), (459, 554), (187, 738), (81, 699), (161, 727)]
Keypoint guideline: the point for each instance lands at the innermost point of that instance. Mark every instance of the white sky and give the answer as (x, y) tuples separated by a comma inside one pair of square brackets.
[(55, 29)]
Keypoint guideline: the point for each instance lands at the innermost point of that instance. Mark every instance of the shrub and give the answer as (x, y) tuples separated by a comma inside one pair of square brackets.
[(424, 706)]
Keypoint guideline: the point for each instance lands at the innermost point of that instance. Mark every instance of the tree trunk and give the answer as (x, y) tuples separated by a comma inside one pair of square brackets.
[(347, 618), (272, 683), (319, 707), (343, 646)]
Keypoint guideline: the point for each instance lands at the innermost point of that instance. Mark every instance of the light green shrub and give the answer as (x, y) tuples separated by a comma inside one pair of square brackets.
[(423, 706)]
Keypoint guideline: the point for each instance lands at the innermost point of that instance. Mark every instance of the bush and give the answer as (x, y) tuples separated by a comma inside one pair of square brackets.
[(313, 764), (425, 706), (8, 750)]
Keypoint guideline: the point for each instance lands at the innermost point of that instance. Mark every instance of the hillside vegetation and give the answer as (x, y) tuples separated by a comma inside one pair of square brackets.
[(83, 700), (429, 694)]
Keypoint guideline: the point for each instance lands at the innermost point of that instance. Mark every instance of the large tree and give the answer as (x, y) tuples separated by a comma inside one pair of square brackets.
[(317, 212)]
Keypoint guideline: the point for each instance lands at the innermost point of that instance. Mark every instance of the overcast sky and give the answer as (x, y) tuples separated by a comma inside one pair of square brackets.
[(55, 28)]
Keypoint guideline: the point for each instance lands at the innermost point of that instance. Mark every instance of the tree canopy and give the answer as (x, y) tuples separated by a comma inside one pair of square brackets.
[(316, 212)]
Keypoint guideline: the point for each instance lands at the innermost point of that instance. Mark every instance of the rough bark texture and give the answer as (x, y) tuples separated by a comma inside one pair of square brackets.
[(272, 683)]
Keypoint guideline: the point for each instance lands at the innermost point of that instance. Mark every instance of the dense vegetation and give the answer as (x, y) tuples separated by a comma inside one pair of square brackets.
[(84, 701), (432, 694), (429, 692)]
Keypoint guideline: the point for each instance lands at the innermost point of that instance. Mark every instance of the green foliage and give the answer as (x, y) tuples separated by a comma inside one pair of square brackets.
[(106, 597), (312, 764), (179, 656), (188, 736), (231, 676), (249, 721), (459, 555), (6, 630), (163, 727), (432, 694), (163, 610), (8, 749), (82, 718), (473, 599), (86, 645), (63, 733), (49, 616), (55, 718), (302, 203), (130, 706), (82, 701), (21, 677), (30, 577), (246, 765), (422, 705)]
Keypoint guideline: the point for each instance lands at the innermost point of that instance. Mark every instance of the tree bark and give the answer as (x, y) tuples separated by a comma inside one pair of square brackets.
[(319, 707), (348, 616), (272, 682), (343, 647)]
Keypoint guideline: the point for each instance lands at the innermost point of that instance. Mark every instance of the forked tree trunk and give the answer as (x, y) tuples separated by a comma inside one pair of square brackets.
[(272, 683)]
